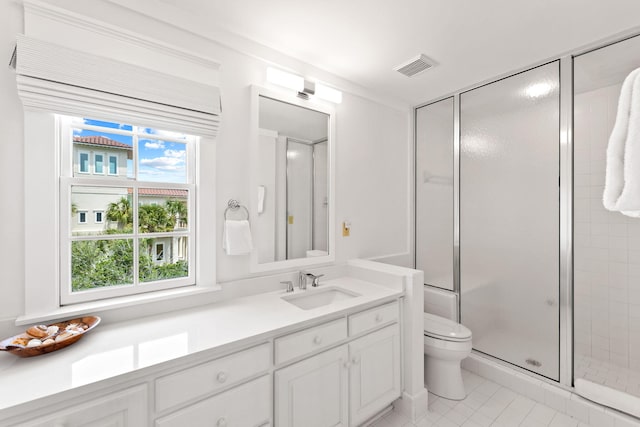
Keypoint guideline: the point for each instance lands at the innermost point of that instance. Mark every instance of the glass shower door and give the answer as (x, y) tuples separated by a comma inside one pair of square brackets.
[(434, 193), (509, 218)]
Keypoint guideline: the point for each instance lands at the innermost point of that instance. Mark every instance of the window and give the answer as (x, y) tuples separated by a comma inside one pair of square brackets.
[(98, 160), (159, 252), (143, 211), (113, 165), (83, 163)]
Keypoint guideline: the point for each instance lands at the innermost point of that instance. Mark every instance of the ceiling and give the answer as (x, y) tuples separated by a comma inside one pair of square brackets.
[(470, 41)]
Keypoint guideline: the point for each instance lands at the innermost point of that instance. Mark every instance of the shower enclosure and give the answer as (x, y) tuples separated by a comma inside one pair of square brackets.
[(509, 217)]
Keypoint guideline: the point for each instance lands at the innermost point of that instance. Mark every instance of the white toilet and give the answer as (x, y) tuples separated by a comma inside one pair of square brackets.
[(446, 343)]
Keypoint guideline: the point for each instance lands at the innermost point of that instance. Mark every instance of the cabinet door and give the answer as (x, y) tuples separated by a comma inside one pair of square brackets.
[(313, 392), (374, 373), (127, 408)]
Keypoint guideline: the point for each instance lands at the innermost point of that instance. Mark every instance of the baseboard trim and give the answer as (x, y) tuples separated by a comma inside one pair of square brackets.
[(413, 407)]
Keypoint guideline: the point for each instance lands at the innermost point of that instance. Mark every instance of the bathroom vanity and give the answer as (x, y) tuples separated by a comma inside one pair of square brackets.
[(311, 358)]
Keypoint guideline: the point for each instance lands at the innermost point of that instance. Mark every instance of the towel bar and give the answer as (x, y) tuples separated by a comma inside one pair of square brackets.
[(233, 205)]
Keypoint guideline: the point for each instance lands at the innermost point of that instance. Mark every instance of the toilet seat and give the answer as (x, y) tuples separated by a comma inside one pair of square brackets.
[(440, 328)]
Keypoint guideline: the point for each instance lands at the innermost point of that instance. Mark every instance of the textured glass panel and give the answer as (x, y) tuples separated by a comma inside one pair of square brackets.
[(113, 204), (434, 193), (162, 210), (101, 263), (509, 218), (606, 245), (163, 258)]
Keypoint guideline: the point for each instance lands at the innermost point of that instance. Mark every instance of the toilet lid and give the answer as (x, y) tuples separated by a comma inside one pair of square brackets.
[(439, 327)]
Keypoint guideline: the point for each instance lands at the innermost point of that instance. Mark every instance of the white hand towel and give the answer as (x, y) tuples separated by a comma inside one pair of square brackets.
[(236, 237), (622, 180)]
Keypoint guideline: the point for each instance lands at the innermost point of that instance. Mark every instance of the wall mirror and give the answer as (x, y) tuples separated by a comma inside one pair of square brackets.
[(292, 181)]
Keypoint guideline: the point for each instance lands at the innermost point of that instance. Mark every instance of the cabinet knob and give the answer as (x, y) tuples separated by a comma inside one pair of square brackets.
[(317, 339), (222, 422), (378, 317), (346, 364), (221, 377), (355, 360)]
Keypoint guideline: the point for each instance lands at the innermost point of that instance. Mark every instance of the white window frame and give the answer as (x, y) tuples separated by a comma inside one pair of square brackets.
[(67, 124), (82, 213), (95, 216), (112, 156), (46, 85), (88, 154), (95, 169)]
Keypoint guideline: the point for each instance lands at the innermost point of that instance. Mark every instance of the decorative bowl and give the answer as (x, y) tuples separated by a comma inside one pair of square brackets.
[(17, 344)]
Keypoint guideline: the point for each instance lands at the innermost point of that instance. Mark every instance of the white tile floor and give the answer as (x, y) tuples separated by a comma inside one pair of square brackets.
[(487, 404), (609, 374)]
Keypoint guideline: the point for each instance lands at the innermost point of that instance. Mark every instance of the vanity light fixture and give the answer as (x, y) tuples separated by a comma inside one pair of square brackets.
[(304, 88)]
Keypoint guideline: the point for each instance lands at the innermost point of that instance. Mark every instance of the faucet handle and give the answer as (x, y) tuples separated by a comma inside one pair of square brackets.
[(289, 284), (316, 279)]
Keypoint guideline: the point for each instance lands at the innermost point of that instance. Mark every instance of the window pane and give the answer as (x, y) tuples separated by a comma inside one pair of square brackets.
[(162, 210), (112, 206), (117, 148), (101, 263), (163, 258), (162, 161), (113, 165), (84, 163), (99, 166)]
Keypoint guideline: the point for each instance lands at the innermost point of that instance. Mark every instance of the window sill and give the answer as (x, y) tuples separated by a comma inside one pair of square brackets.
[(145, 304)]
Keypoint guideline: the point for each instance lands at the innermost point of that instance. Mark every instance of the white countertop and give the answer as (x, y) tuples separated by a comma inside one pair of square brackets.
[(122, 348)]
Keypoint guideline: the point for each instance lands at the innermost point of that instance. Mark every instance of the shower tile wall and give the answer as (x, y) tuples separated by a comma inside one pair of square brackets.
[(606, 248)]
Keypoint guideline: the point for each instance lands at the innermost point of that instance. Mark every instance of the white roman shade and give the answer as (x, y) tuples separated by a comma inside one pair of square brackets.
[(63, 80)]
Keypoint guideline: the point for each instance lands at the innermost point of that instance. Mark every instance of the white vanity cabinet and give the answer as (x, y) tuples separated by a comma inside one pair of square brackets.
[(126, 408), (346, 385), (374, 373), (337, 370)]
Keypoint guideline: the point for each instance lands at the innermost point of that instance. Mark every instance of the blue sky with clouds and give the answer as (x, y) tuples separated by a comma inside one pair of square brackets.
[(158, 160)]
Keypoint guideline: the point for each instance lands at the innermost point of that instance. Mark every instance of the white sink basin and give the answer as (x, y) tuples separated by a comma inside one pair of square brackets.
[(314, 298)]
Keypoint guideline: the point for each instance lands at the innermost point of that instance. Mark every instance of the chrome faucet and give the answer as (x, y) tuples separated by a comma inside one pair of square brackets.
[(302, 280)]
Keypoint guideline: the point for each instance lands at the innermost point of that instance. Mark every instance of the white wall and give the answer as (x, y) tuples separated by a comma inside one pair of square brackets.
[(11, 170), (372, 166), (606, 245)]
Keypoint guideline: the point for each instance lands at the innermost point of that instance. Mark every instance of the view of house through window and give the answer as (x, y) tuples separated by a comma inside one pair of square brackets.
[(135, 181)]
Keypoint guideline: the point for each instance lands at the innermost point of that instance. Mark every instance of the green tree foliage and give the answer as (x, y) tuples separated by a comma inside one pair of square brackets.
[(121, 212), (100, 263)]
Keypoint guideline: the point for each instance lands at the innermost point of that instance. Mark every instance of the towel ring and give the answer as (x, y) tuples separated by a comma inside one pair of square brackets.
[(233, 205)]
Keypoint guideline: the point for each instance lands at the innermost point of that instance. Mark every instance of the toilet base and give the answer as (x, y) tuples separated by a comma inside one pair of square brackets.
[(444, 378)]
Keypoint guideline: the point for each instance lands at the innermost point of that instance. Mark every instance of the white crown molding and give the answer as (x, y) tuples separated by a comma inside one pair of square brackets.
[(68, 17)]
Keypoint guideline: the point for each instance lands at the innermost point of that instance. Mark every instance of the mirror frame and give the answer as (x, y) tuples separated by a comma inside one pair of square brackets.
[(311, 104)]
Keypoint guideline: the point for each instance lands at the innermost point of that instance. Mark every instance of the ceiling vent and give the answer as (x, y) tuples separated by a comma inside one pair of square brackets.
[(414, 66)]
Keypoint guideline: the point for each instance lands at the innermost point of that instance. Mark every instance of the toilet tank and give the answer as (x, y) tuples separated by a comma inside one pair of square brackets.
[(441, 302)]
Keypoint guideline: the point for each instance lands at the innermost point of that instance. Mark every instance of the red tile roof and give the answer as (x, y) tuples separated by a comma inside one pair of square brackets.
[(163, 192), (101, 140)]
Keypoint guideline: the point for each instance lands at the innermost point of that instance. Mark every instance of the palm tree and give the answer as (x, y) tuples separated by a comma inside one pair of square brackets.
[(178, 210), (120, 212)]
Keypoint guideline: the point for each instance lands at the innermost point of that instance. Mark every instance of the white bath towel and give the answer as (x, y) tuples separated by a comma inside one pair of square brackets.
[(236, 237), (622, 181)]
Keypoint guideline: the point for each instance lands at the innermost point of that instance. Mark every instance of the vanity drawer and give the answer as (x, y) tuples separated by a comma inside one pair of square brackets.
[(248, 405), (304, 342), (191, 383), (374, 318)]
